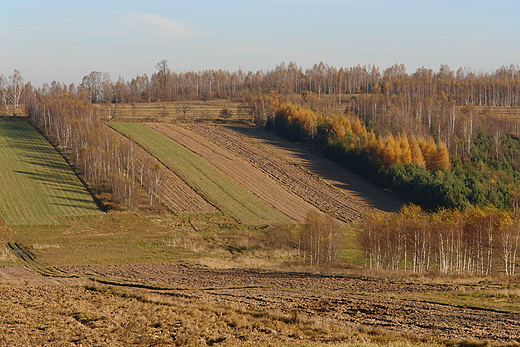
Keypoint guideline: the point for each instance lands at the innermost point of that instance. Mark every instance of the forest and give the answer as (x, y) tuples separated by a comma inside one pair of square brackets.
[(447, 141)]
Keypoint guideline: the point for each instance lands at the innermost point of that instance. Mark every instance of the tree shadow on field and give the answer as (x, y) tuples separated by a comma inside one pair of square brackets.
[(82, 204), (42, 164), (335, 174), (48, 179)]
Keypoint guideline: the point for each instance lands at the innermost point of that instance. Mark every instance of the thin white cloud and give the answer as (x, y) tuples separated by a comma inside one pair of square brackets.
[(156, 24), (66, 31)]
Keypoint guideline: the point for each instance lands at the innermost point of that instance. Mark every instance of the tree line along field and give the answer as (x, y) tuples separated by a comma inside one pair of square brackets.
[(37, 184), (213, 184)]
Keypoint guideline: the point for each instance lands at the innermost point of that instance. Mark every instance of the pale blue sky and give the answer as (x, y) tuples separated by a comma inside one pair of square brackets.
[(65, 40)]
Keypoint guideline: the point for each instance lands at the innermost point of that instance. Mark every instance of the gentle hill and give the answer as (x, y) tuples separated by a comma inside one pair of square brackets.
[(37, 184), (209, 181)]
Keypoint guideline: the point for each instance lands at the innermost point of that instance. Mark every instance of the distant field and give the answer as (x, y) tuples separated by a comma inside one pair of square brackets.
[(213, 184), (507, 112), (36, 183), (174, 111)]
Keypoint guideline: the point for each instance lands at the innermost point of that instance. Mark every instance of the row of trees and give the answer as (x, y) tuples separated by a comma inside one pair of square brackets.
[(107, 161), (478, 241), (444, 104), (500, 88)]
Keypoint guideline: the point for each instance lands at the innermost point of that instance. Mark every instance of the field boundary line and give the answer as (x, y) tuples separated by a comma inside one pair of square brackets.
[(216, 186), (166, 166)]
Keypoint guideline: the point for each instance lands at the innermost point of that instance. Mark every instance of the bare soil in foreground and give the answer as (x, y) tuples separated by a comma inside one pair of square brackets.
[(343, 302)]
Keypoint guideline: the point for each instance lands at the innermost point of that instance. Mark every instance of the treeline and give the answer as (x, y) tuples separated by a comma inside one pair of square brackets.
[(464, 86), (478, 241), (417, 168), (448, 105), (106, 161), (379, 123)]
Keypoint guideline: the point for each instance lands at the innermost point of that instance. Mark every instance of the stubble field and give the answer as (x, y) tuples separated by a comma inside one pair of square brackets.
[(182, 305)]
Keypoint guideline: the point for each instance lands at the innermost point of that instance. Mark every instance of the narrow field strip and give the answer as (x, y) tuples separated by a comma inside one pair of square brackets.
[(250, 177), (300, 181), (213, 184), (36, 183), (175, 193)]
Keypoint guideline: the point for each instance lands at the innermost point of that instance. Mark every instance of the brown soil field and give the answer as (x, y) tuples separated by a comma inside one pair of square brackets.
[(342, 302), (174, 192), (352, 184), (184, 305), (257, 182), (302, 176)]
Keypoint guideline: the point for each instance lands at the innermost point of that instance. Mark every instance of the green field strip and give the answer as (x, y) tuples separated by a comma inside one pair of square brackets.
[(210, 182), (36, 184)]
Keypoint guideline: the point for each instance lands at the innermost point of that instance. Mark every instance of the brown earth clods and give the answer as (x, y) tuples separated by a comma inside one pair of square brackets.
[(39, 310), (340, 301)]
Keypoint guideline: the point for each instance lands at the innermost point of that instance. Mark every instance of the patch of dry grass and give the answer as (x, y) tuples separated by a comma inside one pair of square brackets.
[(107, 316), (175, 111), (130, 237)]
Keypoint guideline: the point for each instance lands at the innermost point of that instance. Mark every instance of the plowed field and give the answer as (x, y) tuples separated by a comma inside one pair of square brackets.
[(261, 185), (209, 181), (288, 179), (341, 203), (332, 173), (336, 300)]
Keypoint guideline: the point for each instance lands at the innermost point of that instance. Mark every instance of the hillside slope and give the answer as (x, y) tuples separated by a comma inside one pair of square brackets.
[(334, 174)]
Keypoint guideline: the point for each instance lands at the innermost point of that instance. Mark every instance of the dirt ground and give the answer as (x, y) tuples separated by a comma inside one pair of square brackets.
[(303, 182), (254, 180), (340, 301), (332, 173), (331, 302)]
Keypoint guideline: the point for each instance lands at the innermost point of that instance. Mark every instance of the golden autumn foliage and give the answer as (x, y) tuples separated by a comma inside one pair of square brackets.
[(387, 149), (390, 149), (298, 117), (415, 151)]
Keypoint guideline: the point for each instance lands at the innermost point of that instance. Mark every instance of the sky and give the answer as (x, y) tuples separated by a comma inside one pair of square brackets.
[(65, 40)]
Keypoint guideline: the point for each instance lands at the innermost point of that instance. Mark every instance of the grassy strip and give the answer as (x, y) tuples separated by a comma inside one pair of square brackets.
[(214, 185), (37, 185), (169, 111), (500, 298)]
